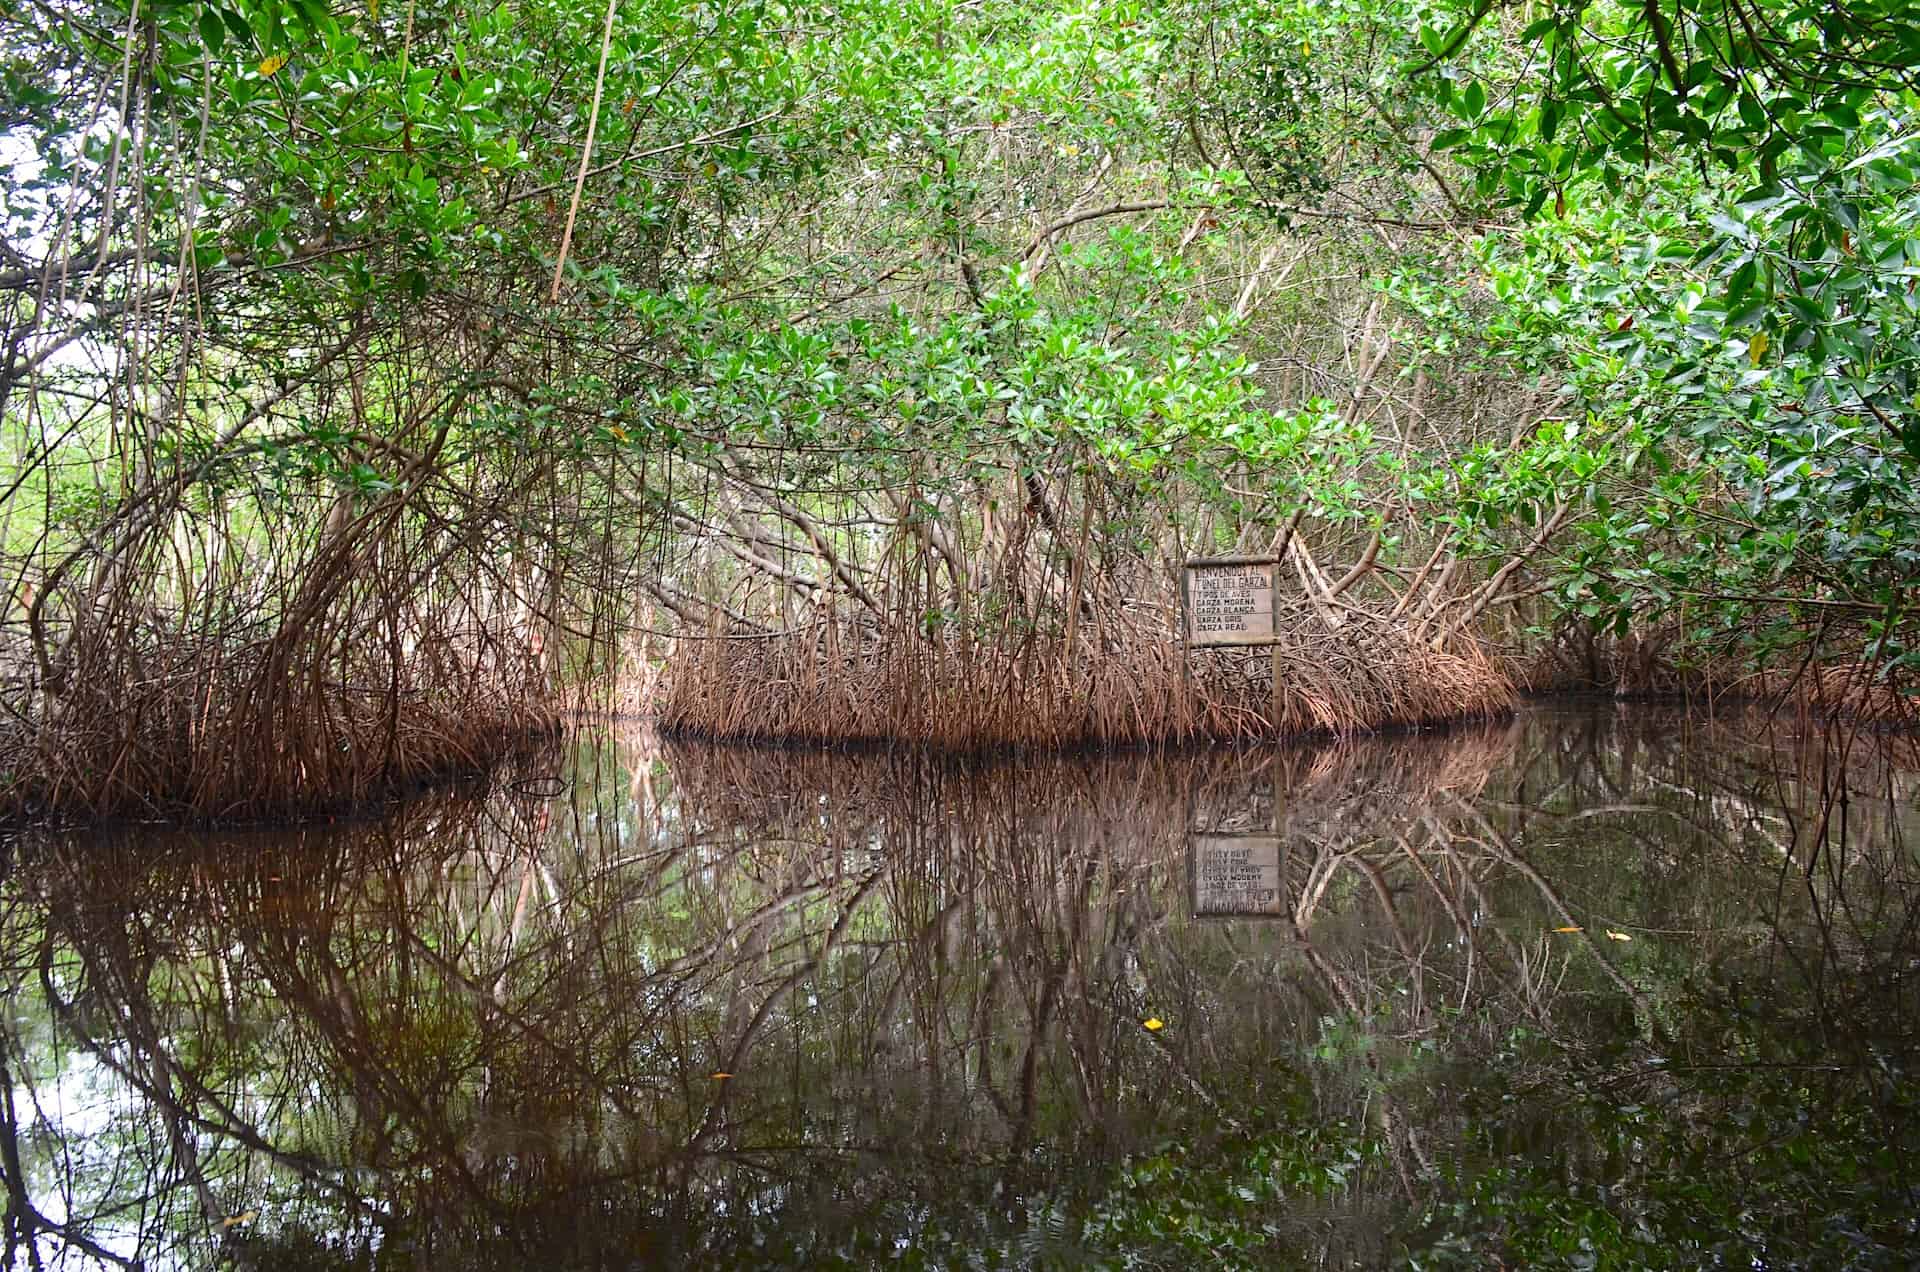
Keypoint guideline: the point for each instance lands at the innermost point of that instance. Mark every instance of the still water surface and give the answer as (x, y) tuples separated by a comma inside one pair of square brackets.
[(1602, 986)]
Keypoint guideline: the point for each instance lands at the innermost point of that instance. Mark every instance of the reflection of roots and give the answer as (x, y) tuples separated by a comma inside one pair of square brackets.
[(851, 682), (1351, 781), (500, 1005)]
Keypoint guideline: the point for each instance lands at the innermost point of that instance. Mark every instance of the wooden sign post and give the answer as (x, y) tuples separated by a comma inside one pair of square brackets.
[(1228, 601)]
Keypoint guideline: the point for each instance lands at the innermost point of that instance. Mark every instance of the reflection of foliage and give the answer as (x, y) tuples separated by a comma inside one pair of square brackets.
[(1762, 1165), (1229, 1205), (497, 1020)]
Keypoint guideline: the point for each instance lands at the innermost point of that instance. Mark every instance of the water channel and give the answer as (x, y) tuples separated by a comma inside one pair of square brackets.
[(1598, 986)]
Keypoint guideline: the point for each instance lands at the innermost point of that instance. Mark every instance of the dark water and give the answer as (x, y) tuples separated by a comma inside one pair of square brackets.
[(492, 1030)]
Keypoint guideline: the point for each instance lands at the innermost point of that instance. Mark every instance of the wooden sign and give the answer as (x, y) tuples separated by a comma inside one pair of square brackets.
[(1229, 602), (1236, 874)]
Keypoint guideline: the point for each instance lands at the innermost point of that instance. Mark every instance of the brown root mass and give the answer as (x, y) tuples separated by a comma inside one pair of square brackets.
[(161, 724), (1645, 665), (297, 676), (842, 682), (1855, 691)]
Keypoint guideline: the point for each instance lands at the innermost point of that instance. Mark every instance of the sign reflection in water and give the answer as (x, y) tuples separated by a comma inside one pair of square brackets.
[(1238, 875)]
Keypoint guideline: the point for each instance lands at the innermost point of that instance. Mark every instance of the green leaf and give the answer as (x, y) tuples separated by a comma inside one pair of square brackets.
[(1761, 197), (1740, 284)]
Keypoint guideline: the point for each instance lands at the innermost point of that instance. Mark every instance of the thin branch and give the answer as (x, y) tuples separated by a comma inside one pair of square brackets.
[(586, 151)]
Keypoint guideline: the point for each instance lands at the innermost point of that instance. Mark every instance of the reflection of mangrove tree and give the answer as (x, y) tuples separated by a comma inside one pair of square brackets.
[(1526, 999)]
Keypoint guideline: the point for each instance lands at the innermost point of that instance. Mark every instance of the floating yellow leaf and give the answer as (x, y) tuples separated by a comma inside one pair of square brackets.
[(1154, 1024), (1569, 929), (270, 66), (721, 1077), (1757, 348), (233, 1220), (1617, 936)]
